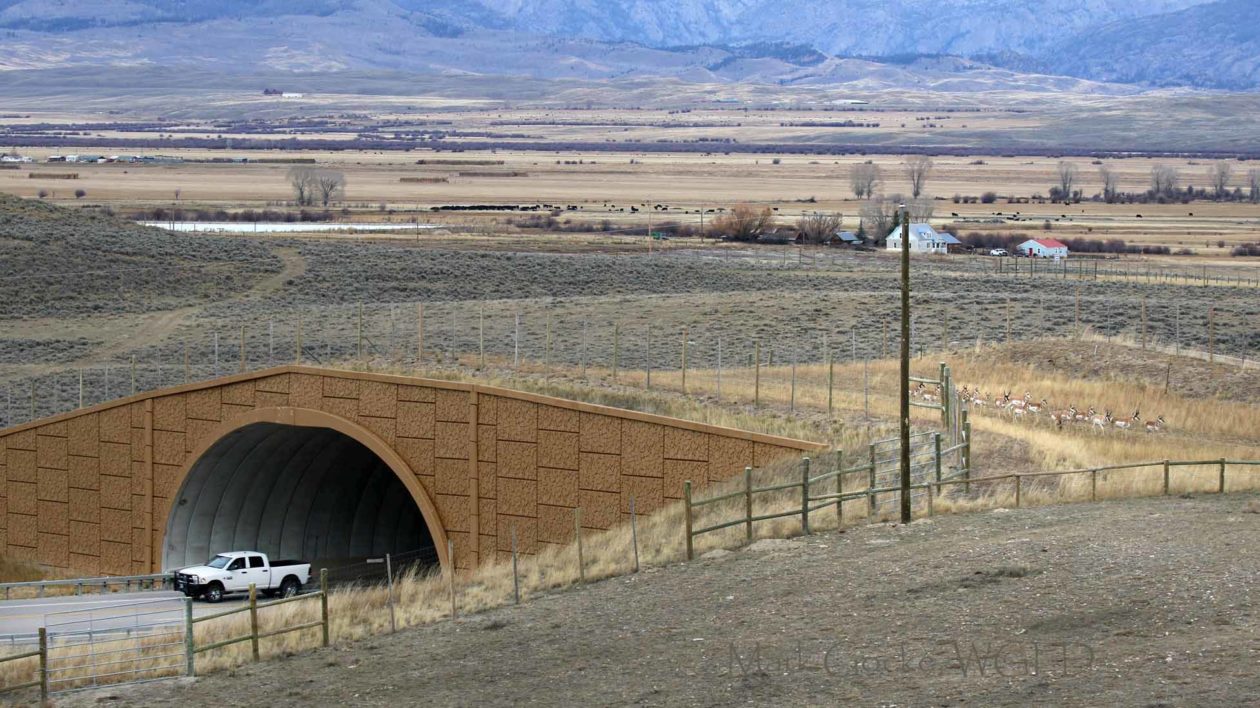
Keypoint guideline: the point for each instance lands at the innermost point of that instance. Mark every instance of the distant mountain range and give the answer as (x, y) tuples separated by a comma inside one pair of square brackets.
[(944, 44)]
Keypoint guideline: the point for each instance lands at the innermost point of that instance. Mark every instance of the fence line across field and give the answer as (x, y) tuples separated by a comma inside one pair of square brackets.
[(629, 342)]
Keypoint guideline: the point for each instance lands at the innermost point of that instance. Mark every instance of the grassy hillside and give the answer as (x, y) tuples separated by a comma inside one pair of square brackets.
[(79, 261)]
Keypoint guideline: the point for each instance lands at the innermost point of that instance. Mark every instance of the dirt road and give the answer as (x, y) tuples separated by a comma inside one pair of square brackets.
[(1148, 602)]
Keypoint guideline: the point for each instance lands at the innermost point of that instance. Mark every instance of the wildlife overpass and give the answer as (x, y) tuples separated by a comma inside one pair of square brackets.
[(322, 464)]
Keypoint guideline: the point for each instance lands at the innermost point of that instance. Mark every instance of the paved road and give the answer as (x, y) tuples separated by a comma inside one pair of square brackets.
[(100, 612)]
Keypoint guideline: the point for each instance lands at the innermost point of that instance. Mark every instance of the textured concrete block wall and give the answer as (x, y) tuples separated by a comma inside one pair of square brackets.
[(90, 491)]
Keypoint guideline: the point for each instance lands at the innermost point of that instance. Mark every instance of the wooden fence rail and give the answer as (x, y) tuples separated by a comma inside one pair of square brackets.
[(934, 488), (254, 635)]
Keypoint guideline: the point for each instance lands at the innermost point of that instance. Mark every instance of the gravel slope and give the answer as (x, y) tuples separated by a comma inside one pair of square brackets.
[(1146, 602)]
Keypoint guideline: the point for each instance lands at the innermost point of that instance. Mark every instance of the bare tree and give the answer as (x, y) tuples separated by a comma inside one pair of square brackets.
[(1067, 179), (1111, 183), (864, 178), (1253, 180), (328, 185), (302, 179), (918, 169), (744, 222), (921, 208), (878, 216), (818, 226), (1164, 180), (1219, 175)]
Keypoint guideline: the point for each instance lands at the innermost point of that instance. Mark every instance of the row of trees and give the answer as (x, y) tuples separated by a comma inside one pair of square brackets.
[(313, 185), (865, 177)]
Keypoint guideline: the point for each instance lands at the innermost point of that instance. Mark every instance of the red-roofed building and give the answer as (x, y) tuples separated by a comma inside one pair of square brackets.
[(1043, 248)]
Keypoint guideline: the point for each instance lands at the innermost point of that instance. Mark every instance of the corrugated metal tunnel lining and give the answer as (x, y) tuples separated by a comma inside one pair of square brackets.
[(292, 492)]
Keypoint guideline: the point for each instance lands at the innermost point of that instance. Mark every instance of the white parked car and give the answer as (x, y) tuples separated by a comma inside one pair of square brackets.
[(232, 572), (999, 252)]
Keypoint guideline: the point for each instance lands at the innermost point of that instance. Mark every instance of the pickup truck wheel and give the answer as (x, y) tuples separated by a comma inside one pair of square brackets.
[(289, 587), (213, 592)]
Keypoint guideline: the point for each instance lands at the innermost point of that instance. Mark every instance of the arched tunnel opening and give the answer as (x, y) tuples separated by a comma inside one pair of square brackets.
[(307, 493)]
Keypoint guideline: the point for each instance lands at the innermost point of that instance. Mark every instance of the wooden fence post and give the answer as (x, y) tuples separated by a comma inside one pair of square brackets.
[(805, 496), (1166, 466), (297, 343), (839, 488), (242, 369), (577, 535), (1143, 322), (648, 381), (937, 441), (634, 534), (389, 590), (831, 382), (616, 348), (419, 332), (253, 620), (450, 576), (43, 666), (870, 485), (1222, 484), (516, 579), (323, 602), (684, 360), (748, 503), (1018, 488), (1093, 485), (190, 640), (481, 335), (359, 336), (756, 373), (687, 517), (547, 349)]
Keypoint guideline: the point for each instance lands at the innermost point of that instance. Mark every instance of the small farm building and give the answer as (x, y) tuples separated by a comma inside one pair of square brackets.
[(1043, 248)]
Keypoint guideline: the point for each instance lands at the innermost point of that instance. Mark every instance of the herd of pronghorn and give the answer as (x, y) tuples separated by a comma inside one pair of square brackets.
[(1021, 408)]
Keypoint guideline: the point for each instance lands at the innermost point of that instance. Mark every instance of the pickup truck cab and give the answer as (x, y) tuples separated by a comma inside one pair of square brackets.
[(232, 572)]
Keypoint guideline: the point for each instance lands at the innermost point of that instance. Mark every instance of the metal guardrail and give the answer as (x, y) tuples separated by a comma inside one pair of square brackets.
[(154, 581)]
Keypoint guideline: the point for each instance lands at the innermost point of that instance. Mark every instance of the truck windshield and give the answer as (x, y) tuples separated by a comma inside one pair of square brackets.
[(219, 562)]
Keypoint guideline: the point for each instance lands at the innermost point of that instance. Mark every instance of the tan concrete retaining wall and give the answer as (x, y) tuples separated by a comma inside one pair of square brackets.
[(90, 491)]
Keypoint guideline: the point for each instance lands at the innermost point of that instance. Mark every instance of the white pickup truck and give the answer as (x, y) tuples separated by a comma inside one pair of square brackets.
[(234, 572)]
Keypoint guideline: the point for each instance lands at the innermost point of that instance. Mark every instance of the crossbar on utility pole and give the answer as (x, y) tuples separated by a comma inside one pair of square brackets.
[(905, 365)]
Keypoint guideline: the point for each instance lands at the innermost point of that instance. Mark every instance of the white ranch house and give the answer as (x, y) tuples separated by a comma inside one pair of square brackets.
[(923, 239), (1043, 248)]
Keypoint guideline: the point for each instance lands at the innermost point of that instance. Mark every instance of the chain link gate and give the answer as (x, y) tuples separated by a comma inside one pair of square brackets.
[(117, 644)]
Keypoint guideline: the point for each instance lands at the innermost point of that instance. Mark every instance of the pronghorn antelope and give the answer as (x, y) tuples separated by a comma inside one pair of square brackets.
[(1061, 417), (1155, 426), (1036, 407), (1127, 424), (1100, 421)]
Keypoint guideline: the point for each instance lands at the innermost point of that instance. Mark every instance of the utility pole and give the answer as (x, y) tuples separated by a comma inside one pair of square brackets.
[(905, 365)]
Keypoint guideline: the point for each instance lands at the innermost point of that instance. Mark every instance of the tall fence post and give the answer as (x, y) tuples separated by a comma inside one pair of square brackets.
[(616, 348), (389, 587), (831, 383), (1018, 488), (253, 621), (634, 534), (757, 372), (419, 332), (297, 343), (687, 518), (966, 429), (870, 485), (1166, 466), (839, 488), (516, 579), (243, 364), (805, 496), (937, 441), (684, 360), (323, 602), (43, 666), (481, 336), (577, 537), (1222, 484), (190, 641), (748, 503), (450, 576)]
